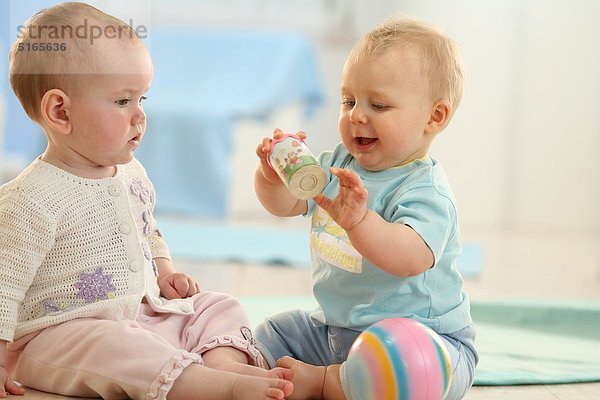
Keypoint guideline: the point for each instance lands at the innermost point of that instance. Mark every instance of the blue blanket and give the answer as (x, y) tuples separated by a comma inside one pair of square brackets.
[(205, 80)]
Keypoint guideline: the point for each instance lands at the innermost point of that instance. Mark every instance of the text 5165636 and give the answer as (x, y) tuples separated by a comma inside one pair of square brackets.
[(55, 46)]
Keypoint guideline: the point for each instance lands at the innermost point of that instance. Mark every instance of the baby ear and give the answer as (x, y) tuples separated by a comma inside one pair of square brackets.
[(439, 117), (55, 111)]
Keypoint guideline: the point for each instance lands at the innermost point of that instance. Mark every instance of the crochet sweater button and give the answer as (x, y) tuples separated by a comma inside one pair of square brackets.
[(114, 190), (125, 228), (186, 308), (134, 266)]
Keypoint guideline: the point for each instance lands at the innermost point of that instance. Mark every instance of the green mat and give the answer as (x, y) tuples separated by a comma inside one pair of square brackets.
[(519, 342)]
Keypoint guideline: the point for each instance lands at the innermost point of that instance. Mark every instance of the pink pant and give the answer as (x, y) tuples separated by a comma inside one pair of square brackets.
[(128, 359)]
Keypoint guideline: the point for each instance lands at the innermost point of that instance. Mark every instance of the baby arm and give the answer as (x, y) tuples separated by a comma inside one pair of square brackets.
[(270, 190), (173, 284), (8, 385), (393, 247)]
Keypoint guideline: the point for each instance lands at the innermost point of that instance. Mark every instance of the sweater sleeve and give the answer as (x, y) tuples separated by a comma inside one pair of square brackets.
[(26, 235), (158, 245)]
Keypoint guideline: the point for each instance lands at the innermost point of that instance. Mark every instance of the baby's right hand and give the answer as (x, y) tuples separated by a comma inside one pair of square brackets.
[(8, 385), (263, 150)]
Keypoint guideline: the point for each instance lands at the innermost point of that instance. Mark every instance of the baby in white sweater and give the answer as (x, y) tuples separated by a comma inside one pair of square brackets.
[(90, 304)]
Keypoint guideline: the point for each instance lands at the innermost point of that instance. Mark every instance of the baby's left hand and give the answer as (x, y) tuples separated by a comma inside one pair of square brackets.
[(177, 285), (350, 206)]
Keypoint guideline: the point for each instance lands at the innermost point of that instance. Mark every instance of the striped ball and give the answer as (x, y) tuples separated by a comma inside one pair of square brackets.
[(397, 358)]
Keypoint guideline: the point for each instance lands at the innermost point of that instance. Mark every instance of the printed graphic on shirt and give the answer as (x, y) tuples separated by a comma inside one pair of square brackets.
[(330, 242)]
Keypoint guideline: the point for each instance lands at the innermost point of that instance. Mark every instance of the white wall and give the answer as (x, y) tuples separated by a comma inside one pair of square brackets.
[(557, 183), (529, 111)]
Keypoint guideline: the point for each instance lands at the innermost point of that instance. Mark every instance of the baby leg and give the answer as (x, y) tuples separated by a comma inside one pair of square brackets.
[(218, 331), (226, 358)]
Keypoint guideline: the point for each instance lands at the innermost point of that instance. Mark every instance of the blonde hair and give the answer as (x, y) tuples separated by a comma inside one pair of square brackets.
[(69, 30), (438, 55)]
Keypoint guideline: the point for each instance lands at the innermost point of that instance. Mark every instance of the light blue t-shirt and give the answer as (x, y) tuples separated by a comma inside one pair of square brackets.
[(352, 292)]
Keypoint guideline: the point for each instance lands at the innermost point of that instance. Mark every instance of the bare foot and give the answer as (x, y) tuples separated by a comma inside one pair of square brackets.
[(253, 388), (217, 385), (308, 379)]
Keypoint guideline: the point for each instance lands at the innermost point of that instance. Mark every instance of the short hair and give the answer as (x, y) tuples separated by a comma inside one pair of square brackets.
[(439, 58), (68, 30)]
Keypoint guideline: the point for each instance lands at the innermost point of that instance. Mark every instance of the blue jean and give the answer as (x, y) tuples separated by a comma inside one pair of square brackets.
[(294, 334)]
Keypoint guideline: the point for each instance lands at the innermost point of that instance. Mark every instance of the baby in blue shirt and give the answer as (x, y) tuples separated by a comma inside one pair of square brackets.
[(384, 236)]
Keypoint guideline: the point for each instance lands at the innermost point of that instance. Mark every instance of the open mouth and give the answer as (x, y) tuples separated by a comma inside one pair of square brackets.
[(135, 140), (364, 141)]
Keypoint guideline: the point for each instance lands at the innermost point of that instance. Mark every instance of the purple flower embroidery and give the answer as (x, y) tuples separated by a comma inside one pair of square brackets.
[(147, 252), (50, 306), (146, 219), (141, 191), (154, 268), (95, 286)]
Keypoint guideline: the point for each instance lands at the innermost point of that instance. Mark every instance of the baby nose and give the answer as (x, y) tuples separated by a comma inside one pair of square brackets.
[(357, 115)]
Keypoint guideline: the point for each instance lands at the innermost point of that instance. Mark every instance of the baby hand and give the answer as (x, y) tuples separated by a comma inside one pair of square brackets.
[(8, 385), (177, 285), (350, 206), (263, 150)]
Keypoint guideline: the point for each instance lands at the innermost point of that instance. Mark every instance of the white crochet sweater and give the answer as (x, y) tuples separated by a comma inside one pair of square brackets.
[(72, 247)]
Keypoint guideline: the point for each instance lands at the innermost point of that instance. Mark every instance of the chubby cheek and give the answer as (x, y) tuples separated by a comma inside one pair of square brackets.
[(345, 133), (342, 121), (344, 124)]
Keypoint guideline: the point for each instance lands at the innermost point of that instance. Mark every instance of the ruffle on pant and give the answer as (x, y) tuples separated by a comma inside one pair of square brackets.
[(245, 345), (170, 372)]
